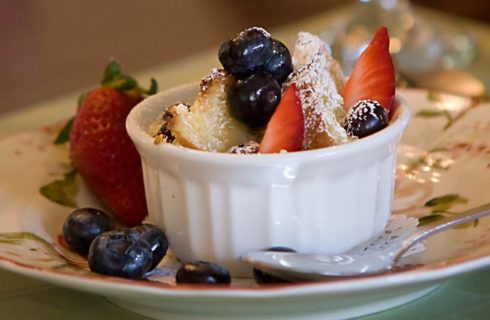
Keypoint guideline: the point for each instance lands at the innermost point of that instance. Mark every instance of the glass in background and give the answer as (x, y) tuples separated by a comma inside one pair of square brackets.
[(418, 45)]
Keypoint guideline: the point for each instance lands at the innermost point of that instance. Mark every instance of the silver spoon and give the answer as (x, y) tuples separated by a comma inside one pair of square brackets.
[(296, 266)]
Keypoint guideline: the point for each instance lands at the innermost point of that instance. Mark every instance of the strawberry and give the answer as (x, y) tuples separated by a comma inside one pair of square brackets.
[(285, 129), (101, 150), (373, 76)]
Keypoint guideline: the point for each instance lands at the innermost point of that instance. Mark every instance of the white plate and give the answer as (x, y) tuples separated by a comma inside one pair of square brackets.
[(458, 164)]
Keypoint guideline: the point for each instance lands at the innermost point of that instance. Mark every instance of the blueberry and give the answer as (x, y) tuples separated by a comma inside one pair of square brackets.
[(156, 239), (279, 64), (201, 272), (118, 253), (366, 117), (246, 53), (83, 225), (254, 99), (262, 277)]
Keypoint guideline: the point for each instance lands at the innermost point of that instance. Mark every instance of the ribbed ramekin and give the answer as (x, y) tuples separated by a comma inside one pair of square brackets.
[(217, 206)]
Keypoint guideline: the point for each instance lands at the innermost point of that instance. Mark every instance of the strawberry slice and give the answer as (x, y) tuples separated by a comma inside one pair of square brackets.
[(285, 129), (373, 76)]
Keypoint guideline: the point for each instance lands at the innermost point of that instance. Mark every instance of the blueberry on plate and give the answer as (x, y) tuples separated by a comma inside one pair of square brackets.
[(155, 237), (262, 277), (254, 99), (365, 118), (247, 52), (83, 225), (201, 272), (280, 64), (118, 253)]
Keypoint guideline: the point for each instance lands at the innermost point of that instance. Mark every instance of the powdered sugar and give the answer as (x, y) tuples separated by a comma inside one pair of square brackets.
[(319, 80), (363, 110), (262, 30), (215, 74), (208, 124), (365, 117)]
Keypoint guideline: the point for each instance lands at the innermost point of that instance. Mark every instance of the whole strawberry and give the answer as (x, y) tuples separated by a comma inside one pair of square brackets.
[(102, 151)]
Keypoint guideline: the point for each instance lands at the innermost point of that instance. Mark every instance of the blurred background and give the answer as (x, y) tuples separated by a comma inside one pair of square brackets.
[(52, 47)]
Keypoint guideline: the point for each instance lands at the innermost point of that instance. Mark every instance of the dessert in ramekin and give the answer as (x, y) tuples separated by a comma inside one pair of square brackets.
[(216, 206), (327, 194)]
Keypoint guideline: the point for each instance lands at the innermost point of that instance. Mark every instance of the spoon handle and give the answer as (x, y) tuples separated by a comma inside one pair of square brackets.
[(426, 231)]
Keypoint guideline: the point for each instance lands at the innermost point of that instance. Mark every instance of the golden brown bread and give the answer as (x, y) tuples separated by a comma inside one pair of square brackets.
[(207, 124)]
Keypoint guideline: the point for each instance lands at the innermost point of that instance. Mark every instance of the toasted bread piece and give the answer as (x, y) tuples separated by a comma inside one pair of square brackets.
[(159, 129), (319, 80), (207, 124)]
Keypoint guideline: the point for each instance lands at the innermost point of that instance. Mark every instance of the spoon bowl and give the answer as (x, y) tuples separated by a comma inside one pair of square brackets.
[(297, 266)]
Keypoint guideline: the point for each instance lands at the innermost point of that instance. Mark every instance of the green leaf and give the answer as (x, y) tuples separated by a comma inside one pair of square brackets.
[(430, 113), (440, 164), (64, 135), (448, 198), (112, 71), (429, 219), (434, 96), (114, 78), (62, 191), (153, 87), (469, 224), (442, 208), (81, 99), (444, 203), (124, 83), (438, 149)]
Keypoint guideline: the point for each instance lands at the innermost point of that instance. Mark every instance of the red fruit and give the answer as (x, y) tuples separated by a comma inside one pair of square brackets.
[(373, 76), (285, 129), (102, 151)]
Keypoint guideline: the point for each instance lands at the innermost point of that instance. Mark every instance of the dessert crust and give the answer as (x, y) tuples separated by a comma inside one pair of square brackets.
[(319, 80), (208, 124)]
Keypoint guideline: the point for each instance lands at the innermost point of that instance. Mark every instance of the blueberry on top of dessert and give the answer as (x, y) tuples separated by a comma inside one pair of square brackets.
[(284, 102)]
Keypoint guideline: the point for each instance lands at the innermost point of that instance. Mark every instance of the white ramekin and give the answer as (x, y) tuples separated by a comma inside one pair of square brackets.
[(217, 206)]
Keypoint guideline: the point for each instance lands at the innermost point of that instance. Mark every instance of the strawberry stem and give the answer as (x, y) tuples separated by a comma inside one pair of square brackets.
[(114, 78), (153, 87), (112, 71)]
